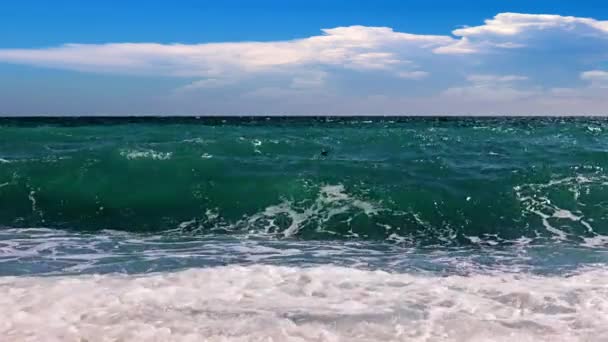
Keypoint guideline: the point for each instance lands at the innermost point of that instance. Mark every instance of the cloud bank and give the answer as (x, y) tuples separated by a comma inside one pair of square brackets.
[(354, 47), (511, 64)]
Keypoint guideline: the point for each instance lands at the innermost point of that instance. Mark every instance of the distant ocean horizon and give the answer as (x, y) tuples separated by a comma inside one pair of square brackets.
[(122, 117), (308, 228)]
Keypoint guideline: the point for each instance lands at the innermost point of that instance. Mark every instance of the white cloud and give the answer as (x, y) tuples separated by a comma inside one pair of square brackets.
[(481, 93), (480, 78), (413, 75), (511, 24), (355, 47), (462, 46), (521, 62), (375, 60), (517, 30), (597, 78), (309, 80), (207, 84), (595, 75), (493, 88)]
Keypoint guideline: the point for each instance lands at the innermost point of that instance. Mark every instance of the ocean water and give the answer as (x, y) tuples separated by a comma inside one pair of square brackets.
[(304, 229)]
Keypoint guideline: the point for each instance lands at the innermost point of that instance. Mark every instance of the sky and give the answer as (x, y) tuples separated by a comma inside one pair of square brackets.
[(332, 57)]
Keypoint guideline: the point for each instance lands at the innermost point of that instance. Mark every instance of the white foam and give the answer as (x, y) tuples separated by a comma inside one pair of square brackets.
[(32, 197), (256, 143), (332, 200), (269, 303), (598, 241), (212, 214), (200, 141), (535, 199), (146, 154)]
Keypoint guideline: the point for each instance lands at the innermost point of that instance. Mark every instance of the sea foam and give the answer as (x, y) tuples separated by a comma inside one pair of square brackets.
[(146, 154), (326, 303)]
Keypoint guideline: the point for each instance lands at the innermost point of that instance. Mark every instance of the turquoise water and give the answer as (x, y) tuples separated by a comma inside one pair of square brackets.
[(430, 183), (468, 200)]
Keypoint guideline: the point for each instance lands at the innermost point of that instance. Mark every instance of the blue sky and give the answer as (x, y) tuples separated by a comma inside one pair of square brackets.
[(273, 57)]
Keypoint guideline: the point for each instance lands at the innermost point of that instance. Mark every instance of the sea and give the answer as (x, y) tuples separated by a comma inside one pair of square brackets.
[(304, 229)]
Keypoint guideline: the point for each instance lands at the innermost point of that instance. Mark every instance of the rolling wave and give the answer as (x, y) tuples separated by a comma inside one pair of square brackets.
[(417, 182)]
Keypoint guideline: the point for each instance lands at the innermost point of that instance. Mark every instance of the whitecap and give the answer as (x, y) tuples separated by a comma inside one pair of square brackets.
[(536, 199), (332, 200), (146, 154)]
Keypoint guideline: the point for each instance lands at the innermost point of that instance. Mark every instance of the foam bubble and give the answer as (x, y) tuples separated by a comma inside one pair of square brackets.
[(537, 200), (600, 241), (269, 303), (256, 144), (332, 200), (146, 154)]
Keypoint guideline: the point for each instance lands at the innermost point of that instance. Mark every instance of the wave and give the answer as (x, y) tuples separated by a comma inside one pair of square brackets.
[(554, 210), (441, 182)]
